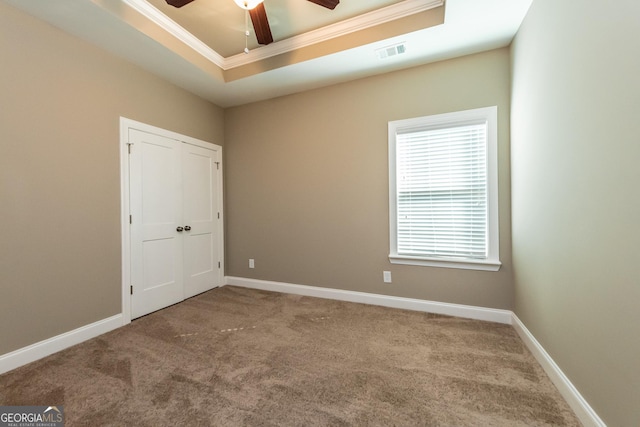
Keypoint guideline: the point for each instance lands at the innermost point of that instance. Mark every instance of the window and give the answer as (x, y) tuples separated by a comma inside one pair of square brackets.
[(443, 192)]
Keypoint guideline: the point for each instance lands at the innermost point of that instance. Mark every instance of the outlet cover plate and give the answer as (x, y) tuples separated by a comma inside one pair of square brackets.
[(386, 276)]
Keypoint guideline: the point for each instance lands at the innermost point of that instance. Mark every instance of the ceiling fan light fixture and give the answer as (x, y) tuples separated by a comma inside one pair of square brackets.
[(248, 4)]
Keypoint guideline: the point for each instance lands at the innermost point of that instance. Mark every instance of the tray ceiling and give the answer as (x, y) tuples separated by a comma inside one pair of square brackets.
[(197, 47), (220, 24)]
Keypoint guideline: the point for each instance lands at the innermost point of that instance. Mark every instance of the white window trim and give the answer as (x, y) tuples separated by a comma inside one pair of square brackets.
[(492, 262)]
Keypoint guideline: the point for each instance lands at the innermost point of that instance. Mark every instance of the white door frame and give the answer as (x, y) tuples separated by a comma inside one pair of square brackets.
[(125, 125)]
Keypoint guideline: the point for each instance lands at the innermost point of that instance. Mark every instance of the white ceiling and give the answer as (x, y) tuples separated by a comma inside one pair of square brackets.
[(470, 26)]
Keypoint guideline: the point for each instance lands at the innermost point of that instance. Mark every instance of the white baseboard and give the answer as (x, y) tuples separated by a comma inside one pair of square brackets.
[(458, 310), (580, 406), (52, 345)]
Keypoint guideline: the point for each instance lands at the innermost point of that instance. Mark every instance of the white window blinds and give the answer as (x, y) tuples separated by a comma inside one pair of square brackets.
[(442, 192)]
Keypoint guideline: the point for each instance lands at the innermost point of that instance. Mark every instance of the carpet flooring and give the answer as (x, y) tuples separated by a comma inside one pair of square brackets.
[(242, 357)]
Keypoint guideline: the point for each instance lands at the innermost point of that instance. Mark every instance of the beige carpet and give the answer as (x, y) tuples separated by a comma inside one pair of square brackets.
[(240, 357)]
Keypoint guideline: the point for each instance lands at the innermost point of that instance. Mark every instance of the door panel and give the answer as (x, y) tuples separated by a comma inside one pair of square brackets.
[(158, 263), (200, 261), (200, 212), (156, 246)]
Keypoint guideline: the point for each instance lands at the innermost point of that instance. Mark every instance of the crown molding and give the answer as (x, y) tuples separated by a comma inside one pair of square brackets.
[(367, 20), (172, 27)]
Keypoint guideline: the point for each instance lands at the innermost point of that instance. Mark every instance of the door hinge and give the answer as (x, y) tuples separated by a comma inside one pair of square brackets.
[(131, 289), (218, 264), (218, 215), (217, 165), (129, 144), (130, 219)]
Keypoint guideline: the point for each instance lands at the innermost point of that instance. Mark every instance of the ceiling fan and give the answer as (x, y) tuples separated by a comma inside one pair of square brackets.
[(259, 14)]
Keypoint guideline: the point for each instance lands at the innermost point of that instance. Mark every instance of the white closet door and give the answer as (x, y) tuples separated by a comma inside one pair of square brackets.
[(156, 209), (200, 217)]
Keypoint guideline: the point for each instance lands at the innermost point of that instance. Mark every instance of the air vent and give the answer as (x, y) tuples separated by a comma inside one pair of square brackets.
[(389, 51)]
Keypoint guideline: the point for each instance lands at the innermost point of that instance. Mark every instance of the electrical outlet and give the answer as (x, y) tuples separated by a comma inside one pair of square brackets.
[(386, 276), (252, 263)]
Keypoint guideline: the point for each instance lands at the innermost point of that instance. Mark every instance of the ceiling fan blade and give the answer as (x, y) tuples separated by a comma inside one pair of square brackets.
[(178, 3), (329, 4), (261, 24)]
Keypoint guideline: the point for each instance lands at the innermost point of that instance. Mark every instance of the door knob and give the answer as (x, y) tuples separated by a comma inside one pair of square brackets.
[(179, 229), (187, 228)]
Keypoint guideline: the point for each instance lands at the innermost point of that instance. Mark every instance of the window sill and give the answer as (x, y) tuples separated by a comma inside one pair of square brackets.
[(483, 265)]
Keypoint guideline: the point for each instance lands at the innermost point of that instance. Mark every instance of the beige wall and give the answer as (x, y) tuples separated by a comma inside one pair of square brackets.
[(61, 100), (576, 203), (307, 182)]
